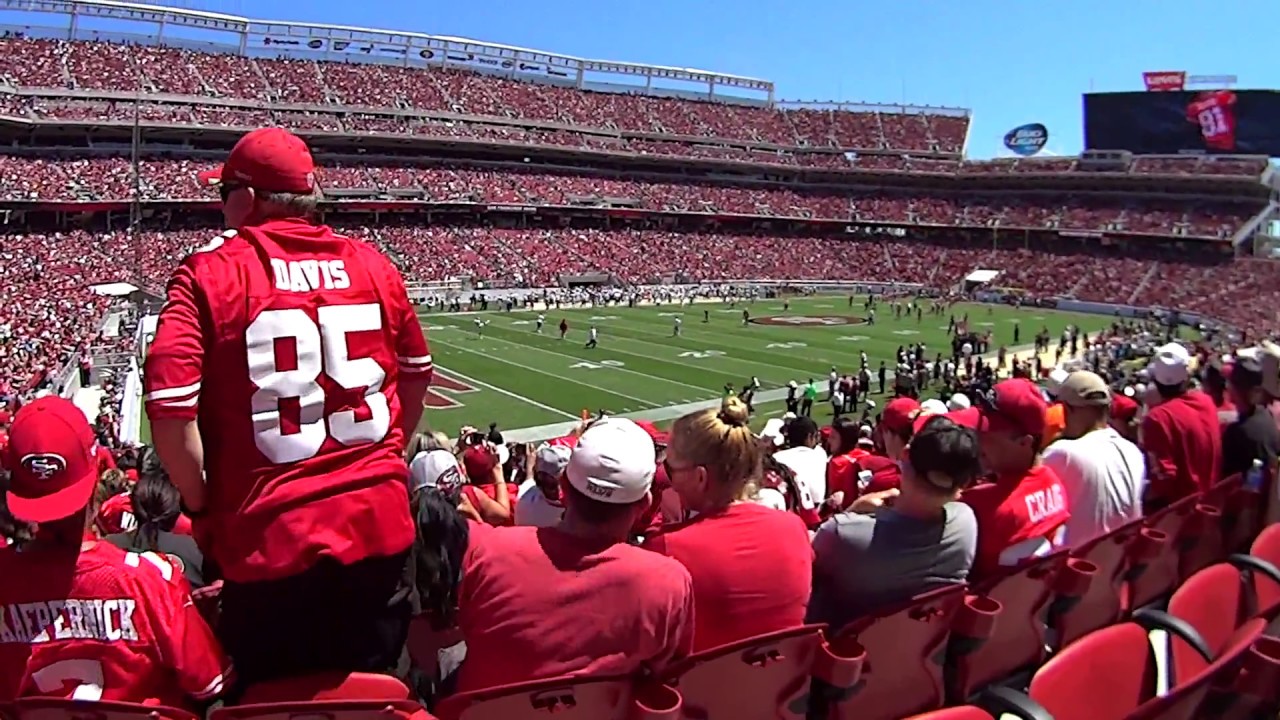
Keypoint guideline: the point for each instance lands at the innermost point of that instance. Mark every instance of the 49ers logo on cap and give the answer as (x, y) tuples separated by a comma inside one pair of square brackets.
[(44, 467)]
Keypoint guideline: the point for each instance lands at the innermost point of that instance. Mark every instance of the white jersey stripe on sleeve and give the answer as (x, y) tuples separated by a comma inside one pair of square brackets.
[(414, 359), (177, 392)]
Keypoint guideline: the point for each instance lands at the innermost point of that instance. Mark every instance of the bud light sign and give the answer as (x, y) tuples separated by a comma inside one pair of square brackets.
[(1027, 140)]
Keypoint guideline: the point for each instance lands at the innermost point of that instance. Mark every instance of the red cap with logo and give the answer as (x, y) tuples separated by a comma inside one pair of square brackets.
[(52, 459), (271, 159), (1015, 405), (899, 414)]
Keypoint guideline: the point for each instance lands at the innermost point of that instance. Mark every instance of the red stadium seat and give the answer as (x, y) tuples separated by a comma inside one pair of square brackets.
[(1156, 578), (1017, 641), (1267, 549), (766, 675), (568, 698), (1106, 599), (964, 712), (326, 686), (63, 709), (326, 710), (904, 648)]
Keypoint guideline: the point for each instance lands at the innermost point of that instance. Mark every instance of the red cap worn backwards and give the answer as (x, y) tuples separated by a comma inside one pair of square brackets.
[(271, 159), (899, 414), (52, 461)]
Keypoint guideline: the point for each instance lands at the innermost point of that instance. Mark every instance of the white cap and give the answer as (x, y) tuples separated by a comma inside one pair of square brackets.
[(959, 401), (933, 406), (1057, 376), (613, 462), (772, 430), (436, 469), (1170, 365)]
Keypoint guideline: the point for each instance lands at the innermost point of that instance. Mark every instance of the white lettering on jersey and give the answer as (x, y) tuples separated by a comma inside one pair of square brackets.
[(310, 275), (71, 619), (1044, 503)]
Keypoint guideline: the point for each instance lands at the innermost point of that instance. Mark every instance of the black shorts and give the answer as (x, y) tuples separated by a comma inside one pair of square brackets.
[(332, 617)]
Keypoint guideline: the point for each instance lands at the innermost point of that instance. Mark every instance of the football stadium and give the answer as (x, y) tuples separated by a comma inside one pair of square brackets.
[(365, 373)]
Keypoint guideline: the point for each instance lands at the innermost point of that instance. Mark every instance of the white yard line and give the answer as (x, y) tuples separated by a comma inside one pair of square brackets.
[(501, 391), (576, 381)]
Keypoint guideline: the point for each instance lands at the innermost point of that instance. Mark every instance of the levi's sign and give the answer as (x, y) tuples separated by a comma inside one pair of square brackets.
[(1027, 140), (1164, 80)]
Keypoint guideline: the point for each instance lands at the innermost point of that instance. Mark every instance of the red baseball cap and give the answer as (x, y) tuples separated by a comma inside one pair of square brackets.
[(479, 463), (899, 414), (1015, 405), (1123, 407), (271, 159), (52, 458), (659, 437)]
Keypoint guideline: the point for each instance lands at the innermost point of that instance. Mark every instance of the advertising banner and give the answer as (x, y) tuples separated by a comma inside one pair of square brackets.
[(1219, 121), (1165, 80), (1027, 140)]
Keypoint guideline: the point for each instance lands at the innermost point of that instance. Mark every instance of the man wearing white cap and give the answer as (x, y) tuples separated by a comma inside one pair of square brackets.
[(536, 603), (1181, 434), (538, 501)]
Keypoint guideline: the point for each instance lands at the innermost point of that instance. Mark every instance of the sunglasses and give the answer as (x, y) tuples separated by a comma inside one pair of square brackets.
[(225, 190)]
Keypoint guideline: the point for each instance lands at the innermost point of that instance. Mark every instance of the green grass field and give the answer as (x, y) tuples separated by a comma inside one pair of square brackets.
[(523, 380)]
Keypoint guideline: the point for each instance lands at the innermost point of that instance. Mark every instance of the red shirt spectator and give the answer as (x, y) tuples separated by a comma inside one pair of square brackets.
[(1024, 512), (302, 336), (752, 570), (115, 515), (886, 474), (90, 621), (106, 461), (1181, 435), (576, 599)]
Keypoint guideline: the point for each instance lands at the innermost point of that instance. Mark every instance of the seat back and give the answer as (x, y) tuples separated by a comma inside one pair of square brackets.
[(767, 675), (1214, 602), (1104, 602), (326, 710), (1267, 547), (1186, 700), (568, 698), (963, 712), (1157, 577), (326, 686), (904, 648), (1018, 639), (42, 708), (1104, 675)]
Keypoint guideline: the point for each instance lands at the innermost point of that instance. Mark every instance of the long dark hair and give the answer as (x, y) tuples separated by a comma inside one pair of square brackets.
[(438, 551), (156, 501)]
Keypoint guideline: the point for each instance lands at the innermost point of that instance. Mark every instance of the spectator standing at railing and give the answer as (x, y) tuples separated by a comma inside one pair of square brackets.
[(287, 371)]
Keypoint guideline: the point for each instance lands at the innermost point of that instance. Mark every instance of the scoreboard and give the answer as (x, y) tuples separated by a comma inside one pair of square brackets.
[(1221, 121)]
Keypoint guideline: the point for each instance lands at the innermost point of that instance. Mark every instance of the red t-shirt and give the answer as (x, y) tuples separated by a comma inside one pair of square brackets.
[(1215, 113), (752, 569), (842, 475), (298, 337), (536, 603), (103, 624), (116, 515), (1018, 517), (490, 490), (886, 474), (106, 461), (1183, 442)]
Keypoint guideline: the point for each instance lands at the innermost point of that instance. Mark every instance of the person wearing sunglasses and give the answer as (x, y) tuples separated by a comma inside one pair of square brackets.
[(751, 565), (1024, 512), (287, 372)]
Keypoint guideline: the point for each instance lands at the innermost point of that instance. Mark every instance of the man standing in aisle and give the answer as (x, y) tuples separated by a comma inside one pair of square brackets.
[(287, 370)]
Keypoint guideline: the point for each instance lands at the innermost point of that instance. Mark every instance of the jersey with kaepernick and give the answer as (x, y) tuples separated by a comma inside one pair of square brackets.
[(287, 343), (103, 625)]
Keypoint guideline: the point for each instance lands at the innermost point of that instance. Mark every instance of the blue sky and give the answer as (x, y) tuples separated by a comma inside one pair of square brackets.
[(1012, 63)]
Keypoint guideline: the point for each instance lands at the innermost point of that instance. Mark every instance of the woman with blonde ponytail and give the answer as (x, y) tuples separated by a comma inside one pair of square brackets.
[(751, 565)]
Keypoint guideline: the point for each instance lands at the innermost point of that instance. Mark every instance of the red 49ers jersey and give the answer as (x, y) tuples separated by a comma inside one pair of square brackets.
[(1215, 113), (287, 343), (116, 514), (1018, 518), (103, 625)]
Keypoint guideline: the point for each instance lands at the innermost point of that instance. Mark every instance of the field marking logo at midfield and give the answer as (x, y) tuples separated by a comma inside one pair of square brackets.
[(441, 381), (809, 320)]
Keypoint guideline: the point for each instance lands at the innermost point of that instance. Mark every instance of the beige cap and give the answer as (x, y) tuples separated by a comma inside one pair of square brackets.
[(1084, 389)]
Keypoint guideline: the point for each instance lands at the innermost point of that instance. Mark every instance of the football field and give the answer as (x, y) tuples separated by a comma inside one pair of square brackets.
[(539, 385)]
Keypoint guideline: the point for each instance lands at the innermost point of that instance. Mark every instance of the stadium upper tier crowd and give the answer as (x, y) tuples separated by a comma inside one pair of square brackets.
[(38, 63), (111, 178)]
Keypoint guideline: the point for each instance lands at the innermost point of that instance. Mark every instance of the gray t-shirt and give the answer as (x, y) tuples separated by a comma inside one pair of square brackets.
[(865, 562)]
